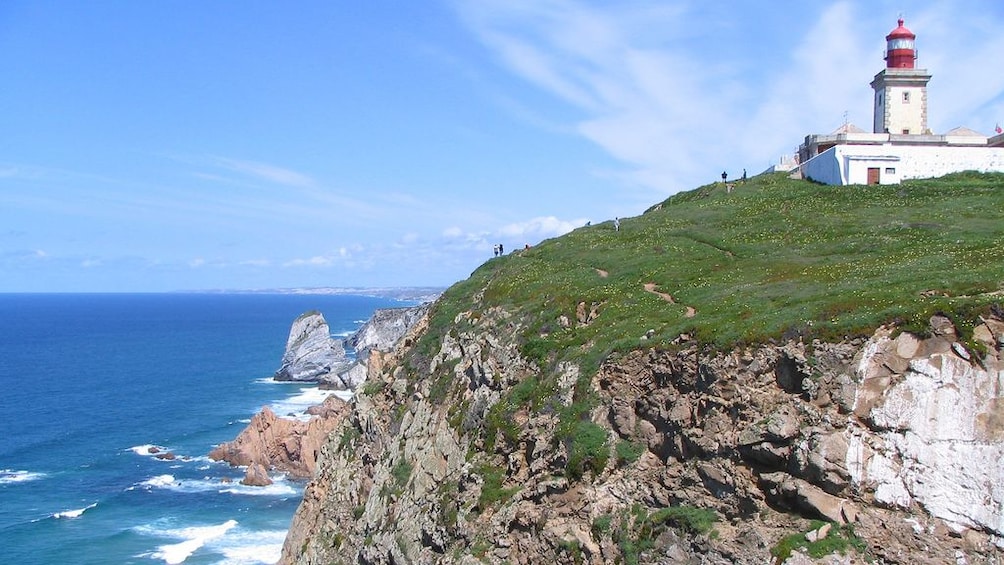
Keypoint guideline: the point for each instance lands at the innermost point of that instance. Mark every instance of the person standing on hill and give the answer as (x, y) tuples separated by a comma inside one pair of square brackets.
[(725, 177), (617, 224)]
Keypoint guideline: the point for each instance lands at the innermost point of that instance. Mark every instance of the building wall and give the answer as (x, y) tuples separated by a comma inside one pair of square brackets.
[(903, 116), (849, 164)]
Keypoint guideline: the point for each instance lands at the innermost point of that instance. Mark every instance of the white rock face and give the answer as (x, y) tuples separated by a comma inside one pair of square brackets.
[(311, 352), (386, 328), (932, 434)]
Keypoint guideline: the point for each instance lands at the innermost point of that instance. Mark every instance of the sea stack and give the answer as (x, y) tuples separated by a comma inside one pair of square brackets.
[(311, 352)]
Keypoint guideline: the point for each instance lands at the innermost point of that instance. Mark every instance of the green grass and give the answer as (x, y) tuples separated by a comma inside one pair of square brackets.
[(840, 539), (638, 528), (629, 451), (401, 471), (776, 258), (491, 489)]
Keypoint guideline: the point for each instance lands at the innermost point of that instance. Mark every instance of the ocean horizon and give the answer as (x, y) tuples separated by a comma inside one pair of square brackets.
[(94, 383)]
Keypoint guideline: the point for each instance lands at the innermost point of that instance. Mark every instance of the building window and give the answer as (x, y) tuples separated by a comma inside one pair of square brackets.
[(890, 170), (880, 99), (906, 97), (906, 132)]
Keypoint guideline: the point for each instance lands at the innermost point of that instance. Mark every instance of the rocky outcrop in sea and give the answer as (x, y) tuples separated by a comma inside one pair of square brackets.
[(290, 445), (311, 353), (888, 448), (286, 445)]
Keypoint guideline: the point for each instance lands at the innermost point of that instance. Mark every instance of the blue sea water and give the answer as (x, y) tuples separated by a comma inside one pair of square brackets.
[(89, 382)]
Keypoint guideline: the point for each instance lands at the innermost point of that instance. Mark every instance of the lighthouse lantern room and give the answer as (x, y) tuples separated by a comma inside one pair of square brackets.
[(900, 89)]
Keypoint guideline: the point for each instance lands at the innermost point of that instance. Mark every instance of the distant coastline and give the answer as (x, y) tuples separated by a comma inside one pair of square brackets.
[(407, 293)]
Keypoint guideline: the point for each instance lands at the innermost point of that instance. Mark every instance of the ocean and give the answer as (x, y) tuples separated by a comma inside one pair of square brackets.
[(89, 382)]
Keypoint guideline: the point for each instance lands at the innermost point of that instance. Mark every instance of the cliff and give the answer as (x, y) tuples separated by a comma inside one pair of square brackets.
[(755, 377)]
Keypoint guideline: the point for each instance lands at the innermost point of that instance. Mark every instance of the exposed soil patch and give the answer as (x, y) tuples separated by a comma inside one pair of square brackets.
[(654, 289)]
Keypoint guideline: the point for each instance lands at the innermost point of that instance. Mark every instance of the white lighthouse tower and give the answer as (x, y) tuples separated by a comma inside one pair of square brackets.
[(901, 89)]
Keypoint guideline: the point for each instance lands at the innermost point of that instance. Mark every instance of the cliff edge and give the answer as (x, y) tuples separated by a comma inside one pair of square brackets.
[(785, 373)]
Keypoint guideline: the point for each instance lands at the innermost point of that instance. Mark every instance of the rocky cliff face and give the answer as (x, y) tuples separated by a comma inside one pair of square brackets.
[(889, 448), (385, 328), (311, 353), (380, 333)]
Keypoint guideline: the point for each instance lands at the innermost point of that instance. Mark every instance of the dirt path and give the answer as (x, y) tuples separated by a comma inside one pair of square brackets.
[(654, 289)]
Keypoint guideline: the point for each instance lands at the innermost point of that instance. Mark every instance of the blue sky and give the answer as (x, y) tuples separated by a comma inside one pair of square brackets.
[(156, 146)]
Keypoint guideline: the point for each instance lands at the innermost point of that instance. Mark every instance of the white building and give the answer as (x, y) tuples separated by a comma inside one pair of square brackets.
[(900, 146)]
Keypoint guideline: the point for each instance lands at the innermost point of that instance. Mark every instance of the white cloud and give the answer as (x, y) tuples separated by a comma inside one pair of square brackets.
[(315, 261), (539, 228)]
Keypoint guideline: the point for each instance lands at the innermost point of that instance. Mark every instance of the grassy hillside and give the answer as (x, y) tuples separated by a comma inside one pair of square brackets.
[(774, 258)]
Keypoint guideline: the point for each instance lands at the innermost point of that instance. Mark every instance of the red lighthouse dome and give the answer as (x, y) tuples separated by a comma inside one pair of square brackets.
[(900, 52)]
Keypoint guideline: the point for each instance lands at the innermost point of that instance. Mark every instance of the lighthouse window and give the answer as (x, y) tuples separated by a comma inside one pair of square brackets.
[(899, 44), (906, 97)]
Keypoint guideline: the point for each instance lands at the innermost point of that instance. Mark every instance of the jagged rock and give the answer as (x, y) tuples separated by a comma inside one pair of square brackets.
[(347, 379), (285, 444), (311, 352), (256, 476), (386, 328), (900, 451)]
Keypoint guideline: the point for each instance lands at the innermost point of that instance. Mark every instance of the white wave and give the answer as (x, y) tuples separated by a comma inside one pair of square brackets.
[(241, 547), (277, 488), (73, 513), (159, 481), (297, 404), (149, 450), (193, 539), (10, 476), (280, 487)]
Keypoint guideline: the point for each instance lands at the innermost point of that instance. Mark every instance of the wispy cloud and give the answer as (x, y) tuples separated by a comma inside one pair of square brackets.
[(678, 105), (267, 172)]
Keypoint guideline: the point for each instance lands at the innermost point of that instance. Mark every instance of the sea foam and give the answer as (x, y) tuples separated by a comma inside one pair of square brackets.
[(241, 547), (194, 538), (297, 404), (280, 487), (10, 476), (73, 513)]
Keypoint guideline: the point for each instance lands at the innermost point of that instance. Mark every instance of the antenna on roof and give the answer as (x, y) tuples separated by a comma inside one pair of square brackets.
[(845, 121)]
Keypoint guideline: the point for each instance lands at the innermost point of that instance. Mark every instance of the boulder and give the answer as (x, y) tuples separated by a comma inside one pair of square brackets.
[(256, 476)]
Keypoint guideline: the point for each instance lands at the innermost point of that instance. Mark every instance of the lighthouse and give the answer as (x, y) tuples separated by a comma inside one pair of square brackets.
[(900, 88)]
